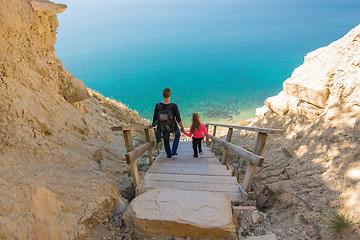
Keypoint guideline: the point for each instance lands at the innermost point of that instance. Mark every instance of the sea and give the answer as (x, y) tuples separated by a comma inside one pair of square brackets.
[(220, 58)]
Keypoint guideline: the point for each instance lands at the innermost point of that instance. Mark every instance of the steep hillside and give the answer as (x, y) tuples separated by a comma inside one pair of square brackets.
[(314, 168), (61, 167)]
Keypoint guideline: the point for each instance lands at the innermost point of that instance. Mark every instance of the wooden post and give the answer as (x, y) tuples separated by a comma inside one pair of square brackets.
[(212, 142), (207, 140), (133, 171), (147, 137), (251, 168), (157, 144), (128, 142), (226, 151)]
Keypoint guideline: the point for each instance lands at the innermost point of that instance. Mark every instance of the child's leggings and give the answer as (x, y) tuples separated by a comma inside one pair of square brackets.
[(196, 142)]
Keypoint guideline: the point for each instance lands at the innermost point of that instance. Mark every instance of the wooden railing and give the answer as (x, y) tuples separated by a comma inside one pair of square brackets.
[(254, 158), (133, 154)]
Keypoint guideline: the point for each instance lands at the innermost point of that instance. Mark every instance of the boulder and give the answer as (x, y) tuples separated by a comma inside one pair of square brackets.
[(180, 213), (72, 89), (314, 91), (278, 104)]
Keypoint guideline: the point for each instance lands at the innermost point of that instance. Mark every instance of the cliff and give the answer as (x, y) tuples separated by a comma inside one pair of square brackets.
[(328, 77), (61, 167), (314, 168)]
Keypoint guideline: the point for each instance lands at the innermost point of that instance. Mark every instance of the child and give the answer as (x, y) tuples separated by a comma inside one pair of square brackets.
[(197, 130)]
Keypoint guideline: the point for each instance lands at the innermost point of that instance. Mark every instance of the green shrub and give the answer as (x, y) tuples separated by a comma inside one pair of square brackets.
[(339, 221)]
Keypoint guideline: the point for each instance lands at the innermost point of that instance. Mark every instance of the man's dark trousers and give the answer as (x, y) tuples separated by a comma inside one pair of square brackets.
[(175, 145)]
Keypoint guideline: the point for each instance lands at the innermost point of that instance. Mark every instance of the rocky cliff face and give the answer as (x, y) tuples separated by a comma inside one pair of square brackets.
[(315, 165), (61, 168), (328, 77)]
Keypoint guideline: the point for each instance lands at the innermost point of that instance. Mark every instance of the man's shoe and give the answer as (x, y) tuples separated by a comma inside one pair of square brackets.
[(174, 154), (169, 157), (194, 156), (200, 152)]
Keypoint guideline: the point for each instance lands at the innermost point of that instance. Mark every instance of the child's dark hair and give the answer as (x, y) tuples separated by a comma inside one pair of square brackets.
[(195, 123)]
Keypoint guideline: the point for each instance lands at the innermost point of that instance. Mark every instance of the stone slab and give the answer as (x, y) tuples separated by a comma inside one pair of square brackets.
[(180, 213)]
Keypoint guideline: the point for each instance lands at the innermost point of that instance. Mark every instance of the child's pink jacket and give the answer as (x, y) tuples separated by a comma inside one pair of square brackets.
[(198, 133)]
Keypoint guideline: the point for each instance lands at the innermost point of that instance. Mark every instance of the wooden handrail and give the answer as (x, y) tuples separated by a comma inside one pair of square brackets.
[(132, 154), (253, 129), (249, 156), (130, 128), (254, 157)]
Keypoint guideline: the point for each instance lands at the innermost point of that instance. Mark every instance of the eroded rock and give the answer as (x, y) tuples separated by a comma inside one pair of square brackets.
[(44, 7)]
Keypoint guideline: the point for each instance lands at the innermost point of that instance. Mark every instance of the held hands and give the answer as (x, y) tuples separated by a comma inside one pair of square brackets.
[(182, 129)]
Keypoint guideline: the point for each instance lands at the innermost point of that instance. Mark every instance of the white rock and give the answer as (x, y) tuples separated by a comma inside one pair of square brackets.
[(278, 104), (261, 111)]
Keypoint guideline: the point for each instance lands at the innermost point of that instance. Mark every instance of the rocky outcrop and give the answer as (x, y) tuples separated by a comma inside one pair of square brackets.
[(45, 7), (179, 213), (53, 182), (310, 170), (328, 76)]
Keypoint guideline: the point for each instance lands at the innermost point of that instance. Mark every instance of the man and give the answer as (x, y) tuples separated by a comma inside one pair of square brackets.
[(166, 115)]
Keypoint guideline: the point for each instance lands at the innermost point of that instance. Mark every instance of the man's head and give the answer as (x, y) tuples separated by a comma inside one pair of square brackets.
[(166, 93)]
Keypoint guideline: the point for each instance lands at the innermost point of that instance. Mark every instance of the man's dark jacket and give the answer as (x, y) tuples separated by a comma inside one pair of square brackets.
[(175, 111)]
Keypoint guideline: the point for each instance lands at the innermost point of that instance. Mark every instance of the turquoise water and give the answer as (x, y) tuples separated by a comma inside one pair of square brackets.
[(221, 58)]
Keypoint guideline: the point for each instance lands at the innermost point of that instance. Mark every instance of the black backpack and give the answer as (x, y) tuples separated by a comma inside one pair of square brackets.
[(166, 118)]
